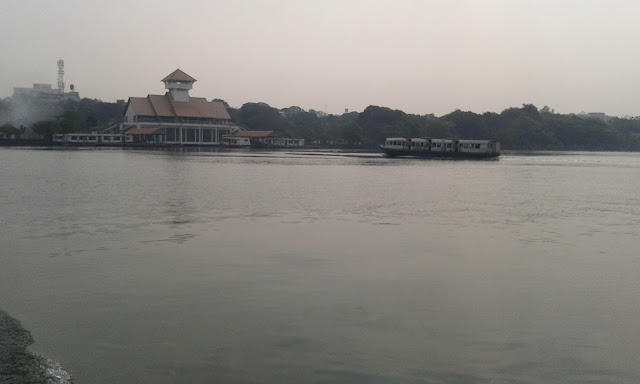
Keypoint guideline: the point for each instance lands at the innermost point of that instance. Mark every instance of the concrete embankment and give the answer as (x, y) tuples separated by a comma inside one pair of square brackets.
[(18, 365)]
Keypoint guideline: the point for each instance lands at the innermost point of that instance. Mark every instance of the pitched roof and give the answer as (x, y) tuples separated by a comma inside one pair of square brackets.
[(178, 75), (164, 106), (9, 129), (252, 134)]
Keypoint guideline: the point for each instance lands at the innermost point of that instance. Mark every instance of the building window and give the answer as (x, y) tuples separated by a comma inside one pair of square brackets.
[(191, 135), (171, 134), (207, 136)]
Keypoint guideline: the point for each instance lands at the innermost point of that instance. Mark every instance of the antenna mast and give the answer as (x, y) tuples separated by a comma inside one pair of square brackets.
[(61, 76)]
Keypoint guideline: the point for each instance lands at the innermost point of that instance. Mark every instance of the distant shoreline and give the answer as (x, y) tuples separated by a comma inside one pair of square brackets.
[(43, 144)]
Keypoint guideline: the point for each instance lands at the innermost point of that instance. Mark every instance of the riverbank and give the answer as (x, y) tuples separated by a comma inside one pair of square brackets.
[(18, 365)]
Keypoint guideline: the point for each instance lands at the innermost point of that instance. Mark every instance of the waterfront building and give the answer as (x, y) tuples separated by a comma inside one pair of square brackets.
[(176, 117)]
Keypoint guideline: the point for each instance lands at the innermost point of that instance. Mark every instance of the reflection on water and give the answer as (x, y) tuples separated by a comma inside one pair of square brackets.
[(228, 266)]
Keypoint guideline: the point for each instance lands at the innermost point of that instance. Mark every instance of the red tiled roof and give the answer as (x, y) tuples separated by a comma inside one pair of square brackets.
[(178, 75), (142, 106), (161, 105), (164, 106), (142, 131), (200, 107), (252, 134)]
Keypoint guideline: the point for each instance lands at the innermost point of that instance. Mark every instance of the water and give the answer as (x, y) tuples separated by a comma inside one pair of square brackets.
[(169, 267)]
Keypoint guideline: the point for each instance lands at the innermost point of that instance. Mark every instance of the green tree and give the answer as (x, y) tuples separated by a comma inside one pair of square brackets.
[(261, 117), (440, 129), (91, 121), (68, 122), (468, 125), (226, 105), (46, 128), (352, 134)]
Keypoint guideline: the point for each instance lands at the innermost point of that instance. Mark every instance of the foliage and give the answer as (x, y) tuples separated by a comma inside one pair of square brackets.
[(260, 117), (46, 128), (516, 128), (226, 105), (352, 134)]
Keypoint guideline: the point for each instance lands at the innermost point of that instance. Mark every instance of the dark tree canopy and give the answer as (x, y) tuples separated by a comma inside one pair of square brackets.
[(523, 127)]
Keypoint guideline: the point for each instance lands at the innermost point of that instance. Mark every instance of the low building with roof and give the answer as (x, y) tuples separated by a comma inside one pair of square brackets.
[(260, 139), (177, 118), (9, 132)]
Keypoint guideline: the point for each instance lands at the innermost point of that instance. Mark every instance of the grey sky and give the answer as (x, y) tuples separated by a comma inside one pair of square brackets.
[(419, 56)]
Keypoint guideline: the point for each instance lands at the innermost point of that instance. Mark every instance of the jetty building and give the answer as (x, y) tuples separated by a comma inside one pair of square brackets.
[(176, 117)]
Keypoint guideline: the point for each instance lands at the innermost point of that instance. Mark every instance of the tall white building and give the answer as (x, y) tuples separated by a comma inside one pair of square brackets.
[(176, 117), (46, 92)]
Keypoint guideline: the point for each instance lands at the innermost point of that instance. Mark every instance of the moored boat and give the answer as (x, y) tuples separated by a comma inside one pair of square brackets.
[(440, 148)]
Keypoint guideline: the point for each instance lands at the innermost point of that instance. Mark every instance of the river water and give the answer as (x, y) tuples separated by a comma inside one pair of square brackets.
[(132, 266)]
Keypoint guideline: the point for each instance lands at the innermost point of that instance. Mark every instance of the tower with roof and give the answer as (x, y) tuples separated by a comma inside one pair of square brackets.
[(178, 84)]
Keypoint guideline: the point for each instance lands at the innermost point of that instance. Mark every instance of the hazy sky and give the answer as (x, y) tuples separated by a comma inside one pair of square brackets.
[(420, 56)]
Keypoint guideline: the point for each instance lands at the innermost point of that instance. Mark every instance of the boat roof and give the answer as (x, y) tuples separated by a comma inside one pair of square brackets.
[(475, 141)]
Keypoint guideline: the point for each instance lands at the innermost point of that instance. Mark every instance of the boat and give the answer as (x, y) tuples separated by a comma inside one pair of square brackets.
[(440, 148)]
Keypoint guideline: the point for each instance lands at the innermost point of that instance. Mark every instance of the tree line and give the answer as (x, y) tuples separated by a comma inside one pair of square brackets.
[(516, 128), (525, 127)]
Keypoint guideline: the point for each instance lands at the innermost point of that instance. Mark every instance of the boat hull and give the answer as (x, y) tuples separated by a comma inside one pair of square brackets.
[(394, 152)]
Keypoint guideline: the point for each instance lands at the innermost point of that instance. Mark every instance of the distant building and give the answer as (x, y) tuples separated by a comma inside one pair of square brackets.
[(176, 117), (595, 115), (9, 132), (260, 139), (46, 92)]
